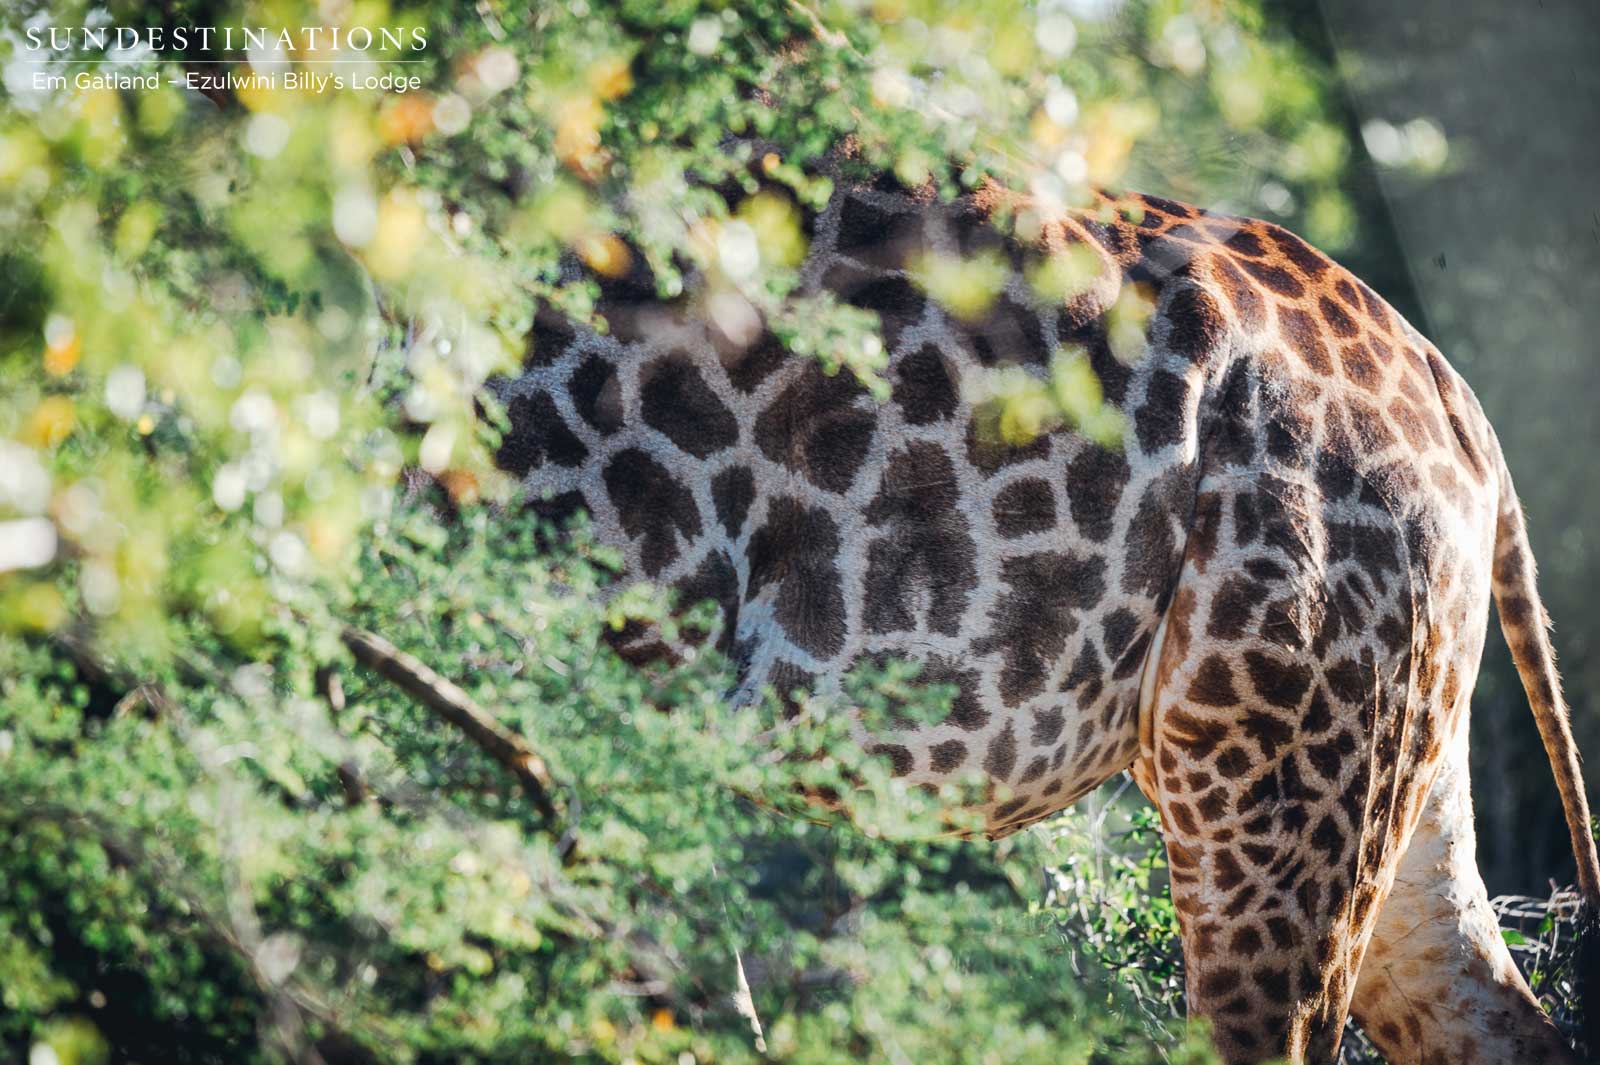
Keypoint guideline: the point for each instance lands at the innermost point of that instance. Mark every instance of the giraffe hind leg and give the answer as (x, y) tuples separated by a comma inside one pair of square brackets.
[(1270, 749), (1438, 986)]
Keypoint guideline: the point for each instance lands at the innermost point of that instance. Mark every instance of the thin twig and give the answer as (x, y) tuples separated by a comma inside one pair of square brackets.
[(833, 38)]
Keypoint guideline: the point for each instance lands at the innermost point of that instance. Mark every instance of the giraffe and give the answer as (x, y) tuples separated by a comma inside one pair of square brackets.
[(1267, 600)]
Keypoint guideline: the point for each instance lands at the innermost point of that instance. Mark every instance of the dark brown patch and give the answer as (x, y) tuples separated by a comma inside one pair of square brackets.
[(1233, 607), (797, 549), (815, 428), (1009, 333), (716, 580), (923, 389), (1246, 243), (1096, 477), (926, 555), (865, 230), (676, 402), (732, 492), (1275, 277), (1159, 420), (897, 302), (947, 756), (1196, 324), (537, 435), (1025, 506), (1360, 366), (748, 367), (1030, 624), (1308, 259), (900, 760), (652, 505), (1150, 556), (1002, 756), (1248, 304), (1279, 682), (597, 394), (1304, 335), (1336, 317), (1213, 683), (1371, 431), (549, 339)]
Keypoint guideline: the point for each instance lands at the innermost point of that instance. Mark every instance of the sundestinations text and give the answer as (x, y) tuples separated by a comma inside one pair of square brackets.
[(229, 38)]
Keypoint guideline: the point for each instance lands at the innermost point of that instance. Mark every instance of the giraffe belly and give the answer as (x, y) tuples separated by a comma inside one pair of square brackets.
[(985, 578)]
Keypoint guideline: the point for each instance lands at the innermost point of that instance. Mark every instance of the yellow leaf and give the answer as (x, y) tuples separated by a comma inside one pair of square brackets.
[(578, 131), (406, 121), (39, 606), (1044, 131), (1065, 274), (605, 254), (461, 484), (965, 287), (400, 232), (1127, 319), (62, 355), (776, 225), (135, 228), (50, 423), (610, 78)]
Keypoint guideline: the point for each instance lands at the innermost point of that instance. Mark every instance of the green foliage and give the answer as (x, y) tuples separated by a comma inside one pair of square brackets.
[(235, 864), (1107, 897), (229, 322)]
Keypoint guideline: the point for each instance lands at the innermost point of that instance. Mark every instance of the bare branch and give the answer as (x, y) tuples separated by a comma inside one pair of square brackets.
[(450, 702)]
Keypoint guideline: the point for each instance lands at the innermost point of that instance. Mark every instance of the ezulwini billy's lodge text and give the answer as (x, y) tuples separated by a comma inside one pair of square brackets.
[(231, 80)]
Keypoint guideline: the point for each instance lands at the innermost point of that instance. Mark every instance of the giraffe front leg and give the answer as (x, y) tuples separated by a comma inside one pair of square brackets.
[(1438, 986)]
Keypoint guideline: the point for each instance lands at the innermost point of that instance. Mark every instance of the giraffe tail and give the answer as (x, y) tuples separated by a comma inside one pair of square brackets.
[(1526, 627)]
